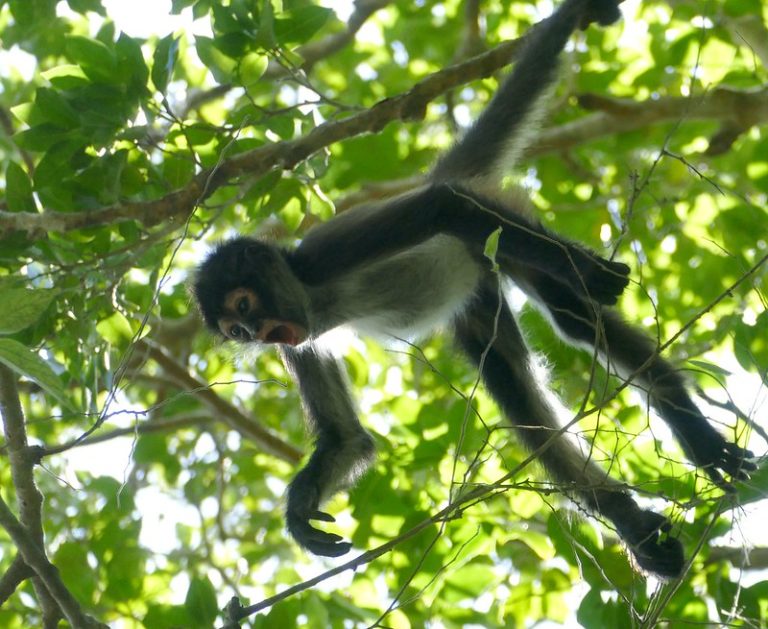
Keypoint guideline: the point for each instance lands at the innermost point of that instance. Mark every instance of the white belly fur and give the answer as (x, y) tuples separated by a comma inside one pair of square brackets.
[(412, 293)]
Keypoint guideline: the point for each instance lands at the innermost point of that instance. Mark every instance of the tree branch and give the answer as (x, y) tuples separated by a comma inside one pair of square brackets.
[(22, 460), (226, 412), (177, 205), (313, 52), (142, 428), (36, 558), (17, 573), (744, 558), (739, 108)]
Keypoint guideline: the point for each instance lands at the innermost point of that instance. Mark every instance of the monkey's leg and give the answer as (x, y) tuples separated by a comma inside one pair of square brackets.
[(508, 377), (629, 349), (343, 449)]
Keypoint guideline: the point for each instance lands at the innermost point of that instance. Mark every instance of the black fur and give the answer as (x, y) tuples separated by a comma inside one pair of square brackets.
[(378, 231), (417, 260)]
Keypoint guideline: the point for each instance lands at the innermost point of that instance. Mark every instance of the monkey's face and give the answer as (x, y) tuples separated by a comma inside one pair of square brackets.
[(245, 320), (247, 292)]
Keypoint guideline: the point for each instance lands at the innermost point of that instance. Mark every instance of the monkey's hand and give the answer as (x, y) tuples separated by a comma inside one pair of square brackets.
[(303, 506), (604, 12), (647, 534), (594, 277)]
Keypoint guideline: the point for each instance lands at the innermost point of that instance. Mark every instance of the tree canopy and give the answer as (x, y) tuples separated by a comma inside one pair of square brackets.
[(145, 464)]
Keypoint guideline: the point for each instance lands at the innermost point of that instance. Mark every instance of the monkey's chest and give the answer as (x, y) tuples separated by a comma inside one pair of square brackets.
[(411, 293)]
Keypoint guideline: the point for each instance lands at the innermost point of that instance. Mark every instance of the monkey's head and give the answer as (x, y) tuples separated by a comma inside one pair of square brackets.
[(247, 293)]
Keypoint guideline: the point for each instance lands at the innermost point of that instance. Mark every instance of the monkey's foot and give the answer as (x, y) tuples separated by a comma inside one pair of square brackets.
[(596, 278), (709, 450), (647, 535)]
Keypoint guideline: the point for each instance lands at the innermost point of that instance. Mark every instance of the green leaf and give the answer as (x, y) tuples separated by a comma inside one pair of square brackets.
[(67, 76), (167, 616), (21, 307), (178, 169), (54, 108), (163, 62), (116, 329), (298, 25), (97, 61), (18, 194), (26, 363), (41, 137), (221, 66), (265, 36), (738, 8), (201, 8), (177, 6), (710, 367), (492, 247), (71, 559), (134, 72), (251, 68), (201, 602), (24, 12), (124, 571), (83, 6)]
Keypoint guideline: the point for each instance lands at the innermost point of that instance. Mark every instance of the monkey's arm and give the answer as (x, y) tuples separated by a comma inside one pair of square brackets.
[(342, 452), (369, 233)]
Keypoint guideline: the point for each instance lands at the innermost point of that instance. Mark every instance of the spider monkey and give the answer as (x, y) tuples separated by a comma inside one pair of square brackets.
[(404, 265)]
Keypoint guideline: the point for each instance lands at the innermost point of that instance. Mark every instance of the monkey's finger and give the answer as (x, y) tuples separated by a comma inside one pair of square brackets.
[(308, 533), (738, 459), (323, 517), (741, 472), (323, 537), (330, 550), (717, 478), (322, 543)]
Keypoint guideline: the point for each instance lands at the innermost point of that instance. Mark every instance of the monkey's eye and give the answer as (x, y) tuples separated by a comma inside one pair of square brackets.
[(243, 305), (239, 333)]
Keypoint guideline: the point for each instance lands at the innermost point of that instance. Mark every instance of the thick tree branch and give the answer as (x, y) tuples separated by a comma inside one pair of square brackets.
[(22, 460), (740, 108), (177, 205), (35, 557), (18, 572), (744, 558)]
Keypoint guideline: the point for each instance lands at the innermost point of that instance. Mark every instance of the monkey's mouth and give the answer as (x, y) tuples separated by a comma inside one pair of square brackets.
[(282, 332)]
